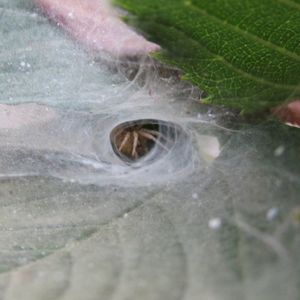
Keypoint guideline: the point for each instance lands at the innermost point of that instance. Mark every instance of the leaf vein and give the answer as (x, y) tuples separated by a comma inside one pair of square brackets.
[(290, 3), (244, 32), (237, 70)]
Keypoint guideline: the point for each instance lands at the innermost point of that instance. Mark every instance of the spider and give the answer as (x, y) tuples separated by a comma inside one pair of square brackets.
[(135, 141)]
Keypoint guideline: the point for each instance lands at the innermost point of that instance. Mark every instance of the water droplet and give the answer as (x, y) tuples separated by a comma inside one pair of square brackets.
[(71, 15), (279, 151), (195, 196), (272, 213), (215, 223)]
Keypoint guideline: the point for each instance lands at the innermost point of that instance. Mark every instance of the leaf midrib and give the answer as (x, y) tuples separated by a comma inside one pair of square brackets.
[(290, 3), (241, 31)]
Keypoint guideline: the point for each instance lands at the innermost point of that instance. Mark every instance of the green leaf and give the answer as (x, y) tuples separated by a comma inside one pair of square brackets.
[(244, 54)]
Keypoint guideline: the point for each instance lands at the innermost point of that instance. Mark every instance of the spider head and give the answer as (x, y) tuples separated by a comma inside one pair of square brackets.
[(136, 140)]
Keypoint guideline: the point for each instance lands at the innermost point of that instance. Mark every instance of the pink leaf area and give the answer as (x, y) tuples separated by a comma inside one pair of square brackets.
[(289, 113), (18, 116), (96, 25)]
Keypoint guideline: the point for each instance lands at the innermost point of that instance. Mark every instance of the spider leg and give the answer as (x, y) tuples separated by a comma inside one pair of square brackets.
[(150, 136), (134, 145), (124, 141), (155, 133)]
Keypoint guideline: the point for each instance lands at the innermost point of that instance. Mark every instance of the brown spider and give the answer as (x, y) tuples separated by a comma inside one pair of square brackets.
[(135, 141)]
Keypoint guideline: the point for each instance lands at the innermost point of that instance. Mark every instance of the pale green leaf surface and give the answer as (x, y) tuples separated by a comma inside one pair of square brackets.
[(243, 54)]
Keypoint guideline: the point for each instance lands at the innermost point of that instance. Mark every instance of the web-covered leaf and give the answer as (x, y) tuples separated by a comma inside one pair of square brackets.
[(78, 224)]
